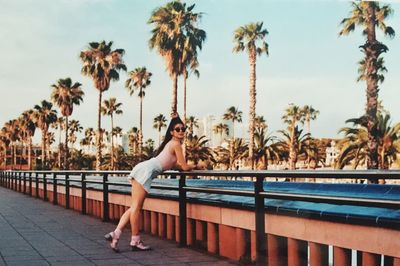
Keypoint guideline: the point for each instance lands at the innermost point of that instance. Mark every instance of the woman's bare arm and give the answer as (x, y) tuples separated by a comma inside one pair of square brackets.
[(181, 162)]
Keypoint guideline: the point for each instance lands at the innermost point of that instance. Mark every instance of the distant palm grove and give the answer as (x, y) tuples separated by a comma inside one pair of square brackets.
[(371, 141)]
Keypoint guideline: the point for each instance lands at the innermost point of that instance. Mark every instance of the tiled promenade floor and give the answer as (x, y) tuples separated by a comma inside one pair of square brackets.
[(34, 232)]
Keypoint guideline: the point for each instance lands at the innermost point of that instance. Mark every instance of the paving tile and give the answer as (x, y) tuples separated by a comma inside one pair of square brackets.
[(122, 261)]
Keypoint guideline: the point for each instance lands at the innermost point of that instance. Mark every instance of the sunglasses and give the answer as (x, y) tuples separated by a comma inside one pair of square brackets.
[(179, 129)]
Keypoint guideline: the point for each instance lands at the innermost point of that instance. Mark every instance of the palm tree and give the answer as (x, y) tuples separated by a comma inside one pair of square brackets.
[(355, 144), (6, 141), (102, 64), (191, 122), (65, 95), (28, 127), (293, 141), (176, 38), (310, 114), (158, 123), (12, 129), (265, 149), (197, 150), (88, 140), (139, 79), (75, 127), (220, 129), (193, 42), (111, 107), (233, 114), (260, 123), (148, 149), (133, 140), (246, 38), (59, 124), (370, 15), (44, 115), (293, 115)]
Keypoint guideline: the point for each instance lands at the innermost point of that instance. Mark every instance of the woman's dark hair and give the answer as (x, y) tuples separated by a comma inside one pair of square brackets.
[(174, 121)]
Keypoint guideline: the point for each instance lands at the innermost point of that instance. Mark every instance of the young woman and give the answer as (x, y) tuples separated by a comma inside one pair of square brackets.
[(168, 155)]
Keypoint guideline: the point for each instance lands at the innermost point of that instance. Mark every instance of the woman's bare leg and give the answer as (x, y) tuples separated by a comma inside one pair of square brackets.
[(138, 197), (124, 219)]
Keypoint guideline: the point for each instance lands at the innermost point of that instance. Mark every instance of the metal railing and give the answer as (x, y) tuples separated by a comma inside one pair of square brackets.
[(14, 179)]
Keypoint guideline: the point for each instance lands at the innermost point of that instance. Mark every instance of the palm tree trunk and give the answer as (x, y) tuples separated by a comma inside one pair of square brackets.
[(15, 154), (112, 142), (174, 95), (141, 125), (66, 166), (59, 147), (292, 151), (252, 112), (44, 132), (184, 95), (372, 89), (98, 136), (30, 153)]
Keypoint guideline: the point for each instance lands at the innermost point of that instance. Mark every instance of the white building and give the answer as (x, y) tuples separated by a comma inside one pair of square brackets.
[(206, 128), (332, 153)]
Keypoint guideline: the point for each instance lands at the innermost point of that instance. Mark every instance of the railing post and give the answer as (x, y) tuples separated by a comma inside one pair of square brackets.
[(24, 183), (30, 184), (83, 190), (261, 252), (182, 210), (66, 190), (44, 187), (12, 180), (20, 182), (55, 194), (37, 185), (105, 198)]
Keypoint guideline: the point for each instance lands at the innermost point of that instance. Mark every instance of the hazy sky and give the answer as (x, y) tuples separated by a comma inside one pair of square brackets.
[(308, 62)]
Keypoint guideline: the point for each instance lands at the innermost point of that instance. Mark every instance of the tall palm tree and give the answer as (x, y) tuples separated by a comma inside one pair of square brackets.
[(293, 115), (246, 38), (28, 127), (370, 15), (65, 95), (159, 123), (139, 79), (44, 115), (175, 35), (102, 64), (111, 107), (194, 40), (309, 114)]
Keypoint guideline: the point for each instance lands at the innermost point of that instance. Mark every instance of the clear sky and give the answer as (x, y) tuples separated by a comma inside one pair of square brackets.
[(308, 62)]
